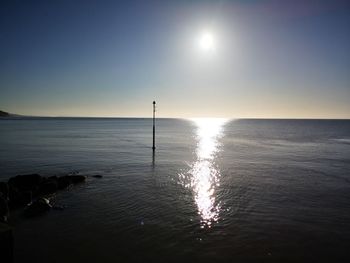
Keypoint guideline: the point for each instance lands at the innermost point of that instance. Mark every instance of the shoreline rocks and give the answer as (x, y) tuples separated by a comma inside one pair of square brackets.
[(40, 206), (21, 189), (4, 209)]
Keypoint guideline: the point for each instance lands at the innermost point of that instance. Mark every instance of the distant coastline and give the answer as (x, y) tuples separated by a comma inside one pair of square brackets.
[(4, 114), (7, 115)]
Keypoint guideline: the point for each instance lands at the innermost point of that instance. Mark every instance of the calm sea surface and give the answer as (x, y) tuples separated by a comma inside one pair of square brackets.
[(215, 191)]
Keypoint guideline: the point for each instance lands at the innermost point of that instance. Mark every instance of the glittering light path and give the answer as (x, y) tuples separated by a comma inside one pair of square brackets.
[(204, 174)]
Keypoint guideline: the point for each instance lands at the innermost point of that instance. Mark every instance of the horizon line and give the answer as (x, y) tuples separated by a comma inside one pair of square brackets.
[(18, 116)]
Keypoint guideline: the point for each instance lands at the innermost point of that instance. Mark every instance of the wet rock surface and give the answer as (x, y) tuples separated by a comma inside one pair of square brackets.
[(31, 191), (39, 206), (4, 210)]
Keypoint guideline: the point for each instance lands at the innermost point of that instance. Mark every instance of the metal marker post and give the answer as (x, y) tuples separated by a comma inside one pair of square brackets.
[(154, 126)]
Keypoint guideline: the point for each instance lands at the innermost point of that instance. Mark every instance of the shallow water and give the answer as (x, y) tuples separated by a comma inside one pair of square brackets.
[(215, 190)]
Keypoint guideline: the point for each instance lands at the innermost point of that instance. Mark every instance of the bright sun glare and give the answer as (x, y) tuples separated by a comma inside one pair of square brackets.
[(204, 175), (207, 42)]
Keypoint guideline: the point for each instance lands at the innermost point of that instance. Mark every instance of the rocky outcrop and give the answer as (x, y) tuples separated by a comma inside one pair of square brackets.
[(37, 185), (4, 190), (4, 209), (40, 206), (28, 182), (30, 190), (48, 185)]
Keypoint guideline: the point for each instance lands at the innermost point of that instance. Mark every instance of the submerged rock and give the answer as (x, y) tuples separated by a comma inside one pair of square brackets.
[(40, 206), (67, 180)]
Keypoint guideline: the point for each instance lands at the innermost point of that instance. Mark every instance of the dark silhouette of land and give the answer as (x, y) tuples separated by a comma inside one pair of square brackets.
[(4, 114)]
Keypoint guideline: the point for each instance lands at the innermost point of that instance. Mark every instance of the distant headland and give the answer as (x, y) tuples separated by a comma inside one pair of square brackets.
[(4, 114)]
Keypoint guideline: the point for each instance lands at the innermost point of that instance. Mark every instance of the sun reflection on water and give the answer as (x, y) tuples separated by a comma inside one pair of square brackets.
[(204, 174)]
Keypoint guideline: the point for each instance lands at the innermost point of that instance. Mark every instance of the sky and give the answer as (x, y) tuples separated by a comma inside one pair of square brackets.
[(270, 58)]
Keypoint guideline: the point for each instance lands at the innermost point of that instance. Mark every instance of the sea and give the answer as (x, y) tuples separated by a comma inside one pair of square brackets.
[(214, 190)]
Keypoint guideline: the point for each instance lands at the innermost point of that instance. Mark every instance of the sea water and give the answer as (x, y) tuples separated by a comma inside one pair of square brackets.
[(215, 190)]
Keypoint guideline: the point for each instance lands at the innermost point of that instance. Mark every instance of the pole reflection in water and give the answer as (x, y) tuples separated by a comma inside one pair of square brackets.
[(204, 175)]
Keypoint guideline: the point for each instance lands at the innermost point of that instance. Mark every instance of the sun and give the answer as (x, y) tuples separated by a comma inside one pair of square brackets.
[(207, 42)]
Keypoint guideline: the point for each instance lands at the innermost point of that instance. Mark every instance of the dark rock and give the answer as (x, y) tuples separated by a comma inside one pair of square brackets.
[(63, 182), (75, 179), (26, 182), (49, 186), (20, 190), (38, 207), (4, 189), (4, 209), (54, 178), (97, 176), (27, 197), (14, 195), (18, 198)]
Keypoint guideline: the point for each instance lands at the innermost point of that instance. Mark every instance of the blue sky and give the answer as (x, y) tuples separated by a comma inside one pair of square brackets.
[(272, 59)]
